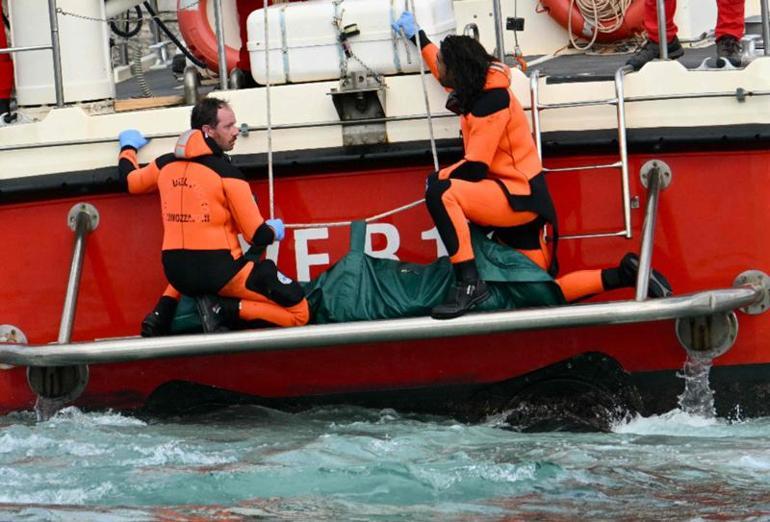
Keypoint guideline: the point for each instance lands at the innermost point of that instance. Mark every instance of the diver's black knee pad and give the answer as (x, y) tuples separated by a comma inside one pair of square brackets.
[(265, 279)]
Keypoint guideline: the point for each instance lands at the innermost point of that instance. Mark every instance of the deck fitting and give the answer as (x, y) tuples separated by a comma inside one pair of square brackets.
[(759, 279)]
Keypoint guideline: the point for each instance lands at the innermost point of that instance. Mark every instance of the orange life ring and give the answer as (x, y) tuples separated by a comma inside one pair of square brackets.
[(200, 37), (632, 24)]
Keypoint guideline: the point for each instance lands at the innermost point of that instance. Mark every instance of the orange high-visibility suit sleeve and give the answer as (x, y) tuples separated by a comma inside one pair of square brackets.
[(243, 208), (142, 179), (430, 55)]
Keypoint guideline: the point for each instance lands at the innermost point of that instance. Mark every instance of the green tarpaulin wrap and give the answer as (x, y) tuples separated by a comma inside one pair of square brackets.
[(359, 287)]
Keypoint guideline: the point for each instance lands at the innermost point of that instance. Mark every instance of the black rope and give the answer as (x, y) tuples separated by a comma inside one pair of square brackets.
[(172, 37), (127, 32)]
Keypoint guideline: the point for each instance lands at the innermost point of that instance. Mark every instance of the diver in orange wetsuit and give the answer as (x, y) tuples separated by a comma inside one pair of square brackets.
[(499, 182), (206, 202)]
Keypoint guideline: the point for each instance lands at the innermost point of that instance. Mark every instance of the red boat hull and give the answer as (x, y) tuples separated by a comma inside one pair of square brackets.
[(709, 230)]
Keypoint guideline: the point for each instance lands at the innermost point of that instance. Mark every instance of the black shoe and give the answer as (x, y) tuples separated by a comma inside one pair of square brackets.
[(730, 49), (462, 297), (658, 286), (217, 314), (651, 51), (158, 322)]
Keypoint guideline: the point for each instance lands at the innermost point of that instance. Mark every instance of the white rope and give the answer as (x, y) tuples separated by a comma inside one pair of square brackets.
[(605, 16), (376, 217), (425, 93), (270, 181)]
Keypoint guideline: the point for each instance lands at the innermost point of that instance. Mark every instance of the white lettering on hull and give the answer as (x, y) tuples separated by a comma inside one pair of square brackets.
[(304, 259), (392, 240)]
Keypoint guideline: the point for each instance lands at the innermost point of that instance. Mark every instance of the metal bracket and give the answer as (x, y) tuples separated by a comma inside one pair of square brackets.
[(664, 169), (360, 97), (709, 336), (716, 64), (191, 84), (89, 209), (471, 30), (13, 335), (61, 383), (755, 278)]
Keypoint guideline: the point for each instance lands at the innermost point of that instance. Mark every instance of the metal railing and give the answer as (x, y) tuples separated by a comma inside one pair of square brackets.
[(55, 49), (83, 219), (662, 40), (367, 332), (654, 184), (221, 56), (765, 5), (622, 164)]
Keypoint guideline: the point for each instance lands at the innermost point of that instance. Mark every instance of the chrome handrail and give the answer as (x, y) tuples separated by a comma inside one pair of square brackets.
[(662, 40), (534, 110), (765, 26), (619, 101), (499, 34), (83, 219), (368, 332), (387, 119), (623, 146), (648, 234), (221, 55)]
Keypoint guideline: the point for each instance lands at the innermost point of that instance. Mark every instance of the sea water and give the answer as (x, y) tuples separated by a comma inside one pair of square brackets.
[(345, 463)]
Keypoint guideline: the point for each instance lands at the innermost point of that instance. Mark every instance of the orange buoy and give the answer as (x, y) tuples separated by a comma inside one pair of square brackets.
[(633, 22), (200, 38)]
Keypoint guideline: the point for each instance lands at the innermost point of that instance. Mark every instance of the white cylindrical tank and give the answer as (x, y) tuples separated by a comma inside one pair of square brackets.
[(86, 65), (303, 42)]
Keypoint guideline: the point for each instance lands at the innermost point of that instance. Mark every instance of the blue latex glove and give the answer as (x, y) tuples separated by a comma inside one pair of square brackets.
[(278, 228), (132, 138), (406, 22)]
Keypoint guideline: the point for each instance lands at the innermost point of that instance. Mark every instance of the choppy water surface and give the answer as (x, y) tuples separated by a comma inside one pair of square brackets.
[(358, 464)]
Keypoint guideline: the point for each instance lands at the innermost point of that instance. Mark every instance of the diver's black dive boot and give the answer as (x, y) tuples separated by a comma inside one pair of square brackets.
[(217, 314), (651, 51), (729, 48), (629, 268), (158, 322), (467, 292)]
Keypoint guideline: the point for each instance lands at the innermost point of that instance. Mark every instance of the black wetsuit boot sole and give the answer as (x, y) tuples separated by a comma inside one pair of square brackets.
[(212, 314), (462, 298), (158, 322)]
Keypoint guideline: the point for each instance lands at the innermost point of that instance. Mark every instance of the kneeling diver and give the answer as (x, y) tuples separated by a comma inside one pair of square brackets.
[(499, 183), (206, 202)]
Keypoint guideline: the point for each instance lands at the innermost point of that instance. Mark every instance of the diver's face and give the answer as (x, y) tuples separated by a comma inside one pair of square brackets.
[(444, 76), (225, 132)]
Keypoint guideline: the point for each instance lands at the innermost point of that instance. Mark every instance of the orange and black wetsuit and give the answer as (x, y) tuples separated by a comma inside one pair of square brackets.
[(206, 202), (498, 183)]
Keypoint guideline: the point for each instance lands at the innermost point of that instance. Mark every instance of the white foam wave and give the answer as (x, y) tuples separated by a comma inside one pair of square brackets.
[(674, 423), (72, 496), (108, 418), (172, 453)]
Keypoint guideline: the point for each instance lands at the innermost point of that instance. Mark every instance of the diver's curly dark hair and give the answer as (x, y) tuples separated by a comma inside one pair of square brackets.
[(467, 62)]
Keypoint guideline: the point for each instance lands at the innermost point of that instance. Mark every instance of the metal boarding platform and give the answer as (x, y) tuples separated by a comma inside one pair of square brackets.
[(314, 336)]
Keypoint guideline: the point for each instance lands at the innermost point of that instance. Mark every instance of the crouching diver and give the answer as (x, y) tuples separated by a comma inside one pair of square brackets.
[(499, 182), (206, 202)]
